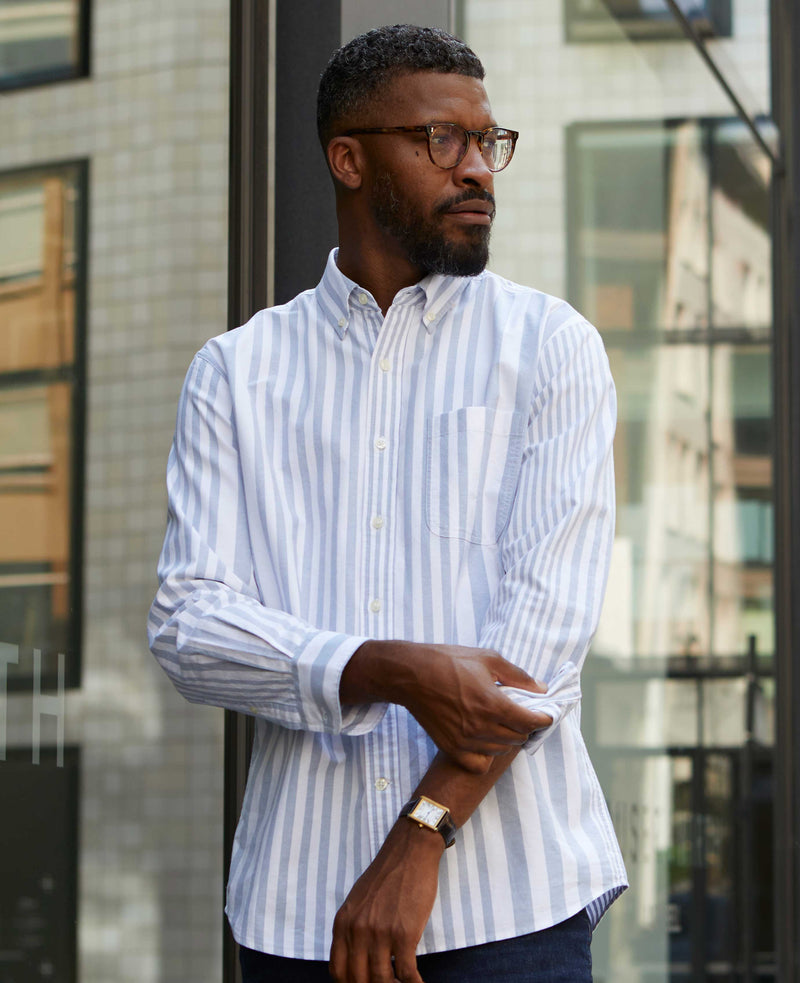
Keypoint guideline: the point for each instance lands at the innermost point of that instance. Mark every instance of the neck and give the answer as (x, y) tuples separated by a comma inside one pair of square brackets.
[(376, 262)]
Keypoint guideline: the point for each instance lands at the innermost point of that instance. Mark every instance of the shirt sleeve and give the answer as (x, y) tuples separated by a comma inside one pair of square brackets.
[(207, 627), (557, 545)]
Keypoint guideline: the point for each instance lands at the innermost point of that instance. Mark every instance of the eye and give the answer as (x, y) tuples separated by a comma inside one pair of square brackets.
[(443, 137)]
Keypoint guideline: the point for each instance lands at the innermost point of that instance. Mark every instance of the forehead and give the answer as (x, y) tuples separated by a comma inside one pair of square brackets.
[(428, 97)]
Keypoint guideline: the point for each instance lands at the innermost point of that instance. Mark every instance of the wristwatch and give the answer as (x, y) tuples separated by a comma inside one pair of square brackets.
[(425, 812)]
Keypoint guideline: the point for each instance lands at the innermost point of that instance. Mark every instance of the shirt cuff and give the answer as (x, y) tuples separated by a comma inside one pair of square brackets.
[(319, 671), (562, 696)]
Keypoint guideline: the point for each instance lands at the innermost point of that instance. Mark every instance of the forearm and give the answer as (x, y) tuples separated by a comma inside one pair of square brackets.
[(221, 646), (378, 928), (461, 791), (377, 672), (454, 692)]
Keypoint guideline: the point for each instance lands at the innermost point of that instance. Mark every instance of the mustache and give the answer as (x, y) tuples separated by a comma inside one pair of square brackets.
[(467, 195)]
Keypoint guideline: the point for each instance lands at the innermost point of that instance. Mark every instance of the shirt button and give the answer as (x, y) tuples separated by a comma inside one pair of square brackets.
[(380, 443), (430, 317), (363, 298), (375, 606), (381, 785), (377, 522), (385, 364), (342, 322)]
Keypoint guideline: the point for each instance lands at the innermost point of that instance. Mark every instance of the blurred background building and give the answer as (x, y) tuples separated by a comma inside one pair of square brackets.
[(159, 181)]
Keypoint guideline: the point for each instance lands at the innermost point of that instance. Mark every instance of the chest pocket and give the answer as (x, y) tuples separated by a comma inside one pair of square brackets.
[(473, 456)]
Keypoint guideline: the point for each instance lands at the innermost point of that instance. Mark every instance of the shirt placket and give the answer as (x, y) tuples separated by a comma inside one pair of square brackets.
[(385, 395)]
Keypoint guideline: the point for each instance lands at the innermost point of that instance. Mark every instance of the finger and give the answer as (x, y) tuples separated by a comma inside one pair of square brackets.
[(379, 966), (511, 675), (497, 737), (337, 964), (473, 762), (358, 970), (518, 719), (486, 749), (544, 720), (405, 968)]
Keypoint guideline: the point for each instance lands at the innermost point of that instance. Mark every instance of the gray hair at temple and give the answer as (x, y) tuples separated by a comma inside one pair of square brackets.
[(359, 69)]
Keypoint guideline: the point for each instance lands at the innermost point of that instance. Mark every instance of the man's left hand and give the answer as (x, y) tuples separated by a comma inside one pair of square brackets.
[(378, 928)]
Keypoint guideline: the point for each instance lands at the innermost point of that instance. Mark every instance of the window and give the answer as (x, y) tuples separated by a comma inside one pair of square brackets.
[(39, 865), (643, 20), (43, 41), (41, 416), (670, 255)]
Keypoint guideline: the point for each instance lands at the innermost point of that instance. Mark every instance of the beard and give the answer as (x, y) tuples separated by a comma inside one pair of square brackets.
[(423, 238)]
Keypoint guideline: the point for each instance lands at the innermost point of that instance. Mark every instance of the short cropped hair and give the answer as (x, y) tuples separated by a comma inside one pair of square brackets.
[(360, 69)]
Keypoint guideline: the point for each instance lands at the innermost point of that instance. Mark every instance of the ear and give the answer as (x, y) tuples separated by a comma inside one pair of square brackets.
[(346, 161)]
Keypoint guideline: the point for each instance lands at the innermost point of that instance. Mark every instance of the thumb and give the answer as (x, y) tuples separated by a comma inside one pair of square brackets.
[(510, 675), (471, 761)]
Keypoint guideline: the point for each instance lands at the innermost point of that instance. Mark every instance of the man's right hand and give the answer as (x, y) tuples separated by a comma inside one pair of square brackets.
[(452, 691)]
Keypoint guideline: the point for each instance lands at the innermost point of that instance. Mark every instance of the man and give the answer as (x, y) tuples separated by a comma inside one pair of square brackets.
[(391, 507)]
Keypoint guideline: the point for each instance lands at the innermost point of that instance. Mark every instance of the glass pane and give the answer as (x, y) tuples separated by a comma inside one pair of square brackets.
[(741, 293), (39, 40), (37, 903), (112, 854), (589, 20), (724, 712), (38, 587), (637, 194), (643, 242), (652, 713), (651, 797), (721, 866)]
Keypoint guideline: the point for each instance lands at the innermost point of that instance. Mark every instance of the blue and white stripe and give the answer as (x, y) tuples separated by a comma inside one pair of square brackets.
[(443, 475)]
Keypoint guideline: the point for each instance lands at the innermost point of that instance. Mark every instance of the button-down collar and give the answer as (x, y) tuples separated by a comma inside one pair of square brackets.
[(339, 296)]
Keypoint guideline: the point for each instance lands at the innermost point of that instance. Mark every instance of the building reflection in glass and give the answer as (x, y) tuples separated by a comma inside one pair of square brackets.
[(38, 265), (670, 257), (41, 41)]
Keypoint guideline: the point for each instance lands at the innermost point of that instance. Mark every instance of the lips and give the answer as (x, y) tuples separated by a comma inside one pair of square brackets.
[(473, 212), (473, 205)]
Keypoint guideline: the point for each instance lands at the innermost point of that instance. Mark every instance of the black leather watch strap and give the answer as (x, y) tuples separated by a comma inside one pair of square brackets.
[(445, 826)]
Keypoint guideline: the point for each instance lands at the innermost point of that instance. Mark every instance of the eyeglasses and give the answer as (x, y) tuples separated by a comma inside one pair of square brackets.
[(448, 143)]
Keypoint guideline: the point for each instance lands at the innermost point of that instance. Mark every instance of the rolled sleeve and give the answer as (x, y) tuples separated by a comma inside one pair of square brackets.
[(557, 546), (562, 696)]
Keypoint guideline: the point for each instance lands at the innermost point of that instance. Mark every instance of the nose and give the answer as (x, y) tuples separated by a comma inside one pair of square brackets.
[(472, 170)]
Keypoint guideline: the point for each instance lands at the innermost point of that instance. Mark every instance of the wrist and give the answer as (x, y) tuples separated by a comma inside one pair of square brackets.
[(427, 813), (419, 842), (378, 671)]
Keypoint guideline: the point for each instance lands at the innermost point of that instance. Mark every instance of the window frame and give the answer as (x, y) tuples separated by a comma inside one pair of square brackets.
[(664, 28), (53, 76), (76, 376)]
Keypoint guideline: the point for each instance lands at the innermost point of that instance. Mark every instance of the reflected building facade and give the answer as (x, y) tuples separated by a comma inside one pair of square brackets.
[(113, 239), (41, 404), (646, 202)]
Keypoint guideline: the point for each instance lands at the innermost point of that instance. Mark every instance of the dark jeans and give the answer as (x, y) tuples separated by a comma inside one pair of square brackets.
[(559, 954)]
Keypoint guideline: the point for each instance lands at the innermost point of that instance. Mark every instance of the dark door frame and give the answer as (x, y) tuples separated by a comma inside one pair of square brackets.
[(249, 215), (786, 244), (297, 212)]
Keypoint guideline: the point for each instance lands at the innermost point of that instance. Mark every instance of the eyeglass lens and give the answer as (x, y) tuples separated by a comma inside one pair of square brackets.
[(449, 143)]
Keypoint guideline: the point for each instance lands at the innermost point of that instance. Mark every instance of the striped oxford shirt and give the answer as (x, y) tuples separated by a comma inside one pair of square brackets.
[(441, 475)]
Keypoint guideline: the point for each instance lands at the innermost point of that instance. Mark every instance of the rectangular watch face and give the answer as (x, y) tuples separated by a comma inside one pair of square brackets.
[(428, 812)]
